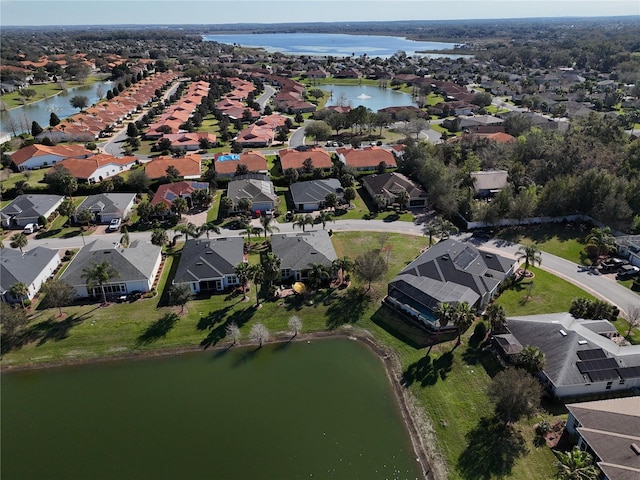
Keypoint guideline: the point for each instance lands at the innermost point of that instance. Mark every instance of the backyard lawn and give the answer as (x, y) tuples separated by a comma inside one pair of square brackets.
[(448, 384)]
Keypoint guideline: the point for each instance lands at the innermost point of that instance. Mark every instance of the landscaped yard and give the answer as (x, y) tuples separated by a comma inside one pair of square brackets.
[(448, 383)]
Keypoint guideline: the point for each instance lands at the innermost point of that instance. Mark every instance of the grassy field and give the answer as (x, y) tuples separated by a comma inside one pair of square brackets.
[(448, 383)]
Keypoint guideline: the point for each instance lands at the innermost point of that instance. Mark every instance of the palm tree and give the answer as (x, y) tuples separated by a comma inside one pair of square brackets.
[(208, 228), (257, 275), (19, 291), (575, 465), (186, 229), (267, 227), (531, 359), (463, 317), (444, 312), (402, 197), (270, 263), (243, 272), (445, 228), (19, 240), (323, 217), (430, 230), (317, 273), (602, 240), (251, 230), (302, 221), (179, 206), (159, 237), (97, 274), (530, 254), (342, 266), (496, 316)]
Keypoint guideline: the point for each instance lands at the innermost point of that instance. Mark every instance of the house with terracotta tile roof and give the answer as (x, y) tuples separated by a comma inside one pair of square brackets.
[(226, 164), (189, 141), (99, 167), (168, 192), (255, 136), (38, 155), (292, 158), (367, 158), (189, 166)]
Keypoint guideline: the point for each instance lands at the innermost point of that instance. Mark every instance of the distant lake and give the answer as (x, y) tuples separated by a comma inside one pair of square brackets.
[(340, 45), (370, 96)]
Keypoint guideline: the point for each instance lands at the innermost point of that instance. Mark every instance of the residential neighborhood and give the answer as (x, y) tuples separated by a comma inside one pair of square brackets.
[(482, 241)]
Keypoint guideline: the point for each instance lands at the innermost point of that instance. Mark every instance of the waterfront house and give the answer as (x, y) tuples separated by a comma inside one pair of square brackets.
[(33, 268), (137, 265), (448, 272), (210, 265), (297, 251), (38, 155)]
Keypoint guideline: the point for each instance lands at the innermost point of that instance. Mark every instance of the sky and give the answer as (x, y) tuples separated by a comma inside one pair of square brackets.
[(175, 12)]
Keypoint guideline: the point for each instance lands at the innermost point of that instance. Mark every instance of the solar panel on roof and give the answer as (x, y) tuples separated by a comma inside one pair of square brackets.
[(603, 375), (588, 366), (629, 372), (591, 354)]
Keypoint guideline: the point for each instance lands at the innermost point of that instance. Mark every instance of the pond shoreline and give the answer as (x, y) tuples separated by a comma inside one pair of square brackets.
[(414, 417)]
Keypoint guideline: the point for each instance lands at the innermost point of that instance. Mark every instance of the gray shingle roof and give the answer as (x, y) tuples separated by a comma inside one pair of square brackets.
[(208, 259), (134, 263), (315, 191), (393, 182), (107, 203), (31, 206), (15, 267), (297, 251), (253, 189)]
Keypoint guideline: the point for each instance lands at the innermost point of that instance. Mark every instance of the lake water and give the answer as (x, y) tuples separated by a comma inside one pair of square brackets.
[(40, 111), (370, 96), (340, 45), (318, 410)]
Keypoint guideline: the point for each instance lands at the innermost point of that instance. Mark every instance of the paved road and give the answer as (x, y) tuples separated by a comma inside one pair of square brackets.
[(601, 286)]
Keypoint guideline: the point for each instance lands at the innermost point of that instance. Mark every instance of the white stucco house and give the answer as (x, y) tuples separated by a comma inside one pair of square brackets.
[(32, 268)]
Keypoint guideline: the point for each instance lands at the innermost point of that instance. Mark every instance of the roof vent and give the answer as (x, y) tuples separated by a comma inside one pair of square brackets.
[(488, 255), (635, 448), (198, 263), (563, 333), (582, 342)]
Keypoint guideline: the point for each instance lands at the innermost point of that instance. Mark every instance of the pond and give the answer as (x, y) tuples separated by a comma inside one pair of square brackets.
[(370, 96), (60, 104), (323, 409)]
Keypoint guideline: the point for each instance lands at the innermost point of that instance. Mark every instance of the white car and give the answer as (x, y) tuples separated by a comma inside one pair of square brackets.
[(114, 225), (29, 228)]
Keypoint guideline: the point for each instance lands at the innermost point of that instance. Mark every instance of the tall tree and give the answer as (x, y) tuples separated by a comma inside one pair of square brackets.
[(267, 225), (462, 318), (575, 465), (317, 273), (19, 291), (233, 333), (97, 274), (324, 217), (66, 208), (19, 241), (602, 240), (179, 206), (302, 221), (514, 393), (402, 197), (270, 264), (429, 230), (243, 272), (257, 275), (79, 101), (530, 254), (445, 313), (159, 237), (84, 217), (342, 266), (370, 267), (57, 293), (496, 316), (53, 119)]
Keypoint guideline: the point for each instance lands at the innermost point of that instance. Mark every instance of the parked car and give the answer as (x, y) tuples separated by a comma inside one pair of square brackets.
[(611, 265), (627, 271), (114, 225), (29, 228)]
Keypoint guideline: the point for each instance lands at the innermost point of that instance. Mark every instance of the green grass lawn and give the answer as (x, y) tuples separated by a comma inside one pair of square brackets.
[(448, 384), (545, 293), (32, 177), (565, 241), (214, 210)]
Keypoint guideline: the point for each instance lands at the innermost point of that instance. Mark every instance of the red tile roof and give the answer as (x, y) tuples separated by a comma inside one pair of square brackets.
[(36, 150), (367, 157), (255, 162), (84, 168), (188, 166), (292, 158)]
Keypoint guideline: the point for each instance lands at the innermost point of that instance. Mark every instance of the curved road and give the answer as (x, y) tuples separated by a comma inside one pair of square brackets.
[(600, 286)]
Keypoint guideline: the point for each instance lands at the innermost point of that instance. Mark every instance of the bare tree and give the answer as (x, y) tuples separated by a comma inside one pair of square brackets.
[(633, 318), (295, 324), (233, 333), (259, 333)]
